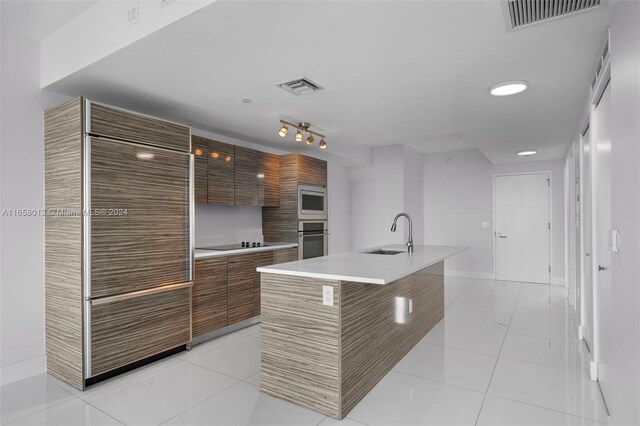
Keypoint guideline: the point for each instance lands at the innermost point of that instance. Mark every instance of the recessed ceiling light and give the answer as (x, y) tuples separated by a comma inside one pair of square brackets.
[(507, 88), (527, 152)]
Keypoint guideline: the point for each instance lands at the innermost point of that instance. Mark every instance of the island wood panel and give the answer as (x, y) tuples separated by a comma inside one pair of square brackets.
[(129, 330), (259, 259), (311, 171), (153, 195), (126, 125), (63, 129), (246, 176), (286, 255), (200, 150), (300, 342), (221, 172), (241, 272), (281, 223), (268, 179), (209, 295), (373, 342)]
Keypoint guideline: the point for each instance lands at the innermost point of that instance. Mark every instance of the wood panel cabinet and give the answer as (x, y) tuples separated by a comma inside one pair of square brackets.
[(246, 176), (312, 171), (135, 302), (140, 236), (241, 275), (126, 125), (268, 179), (286, 255), (221, 171), (200, 150), (260, 259), (209, 310), (126, 331)]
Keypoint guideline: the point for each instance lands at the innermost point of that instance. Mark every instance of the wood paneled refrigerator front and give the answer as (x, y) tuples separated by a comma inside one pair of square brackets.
[(135, 254)]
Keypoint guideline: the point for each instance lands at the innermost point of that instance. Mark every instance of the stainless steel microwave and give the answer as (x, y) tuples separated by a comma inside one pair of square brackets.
[(312, 202)]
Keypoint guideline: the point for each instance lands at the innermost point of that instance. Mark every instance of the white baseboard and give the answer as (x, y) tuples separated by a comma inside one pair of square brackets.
[(22, 370), (469, 274)]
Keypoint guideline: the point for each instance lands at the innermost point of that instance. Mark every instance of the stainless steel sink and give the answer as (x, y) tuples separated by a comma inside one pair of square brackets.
[(383, 251)]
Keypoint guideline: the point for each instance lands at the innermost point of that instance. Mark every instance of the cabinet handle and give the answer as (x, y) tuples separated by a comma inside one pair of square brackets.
[(602, 268)]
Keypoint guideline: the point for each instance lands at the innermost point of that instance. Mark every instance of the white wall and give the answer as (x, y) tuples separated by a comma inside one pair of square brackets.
[(625, 177), (390, 185), (339, 196), (458, 197), (22, 187), (413, 193)]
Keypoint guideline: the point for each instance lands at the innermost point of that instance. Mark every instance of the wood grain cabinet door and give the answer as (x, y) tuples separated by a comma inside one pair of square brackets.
[(121, 124), (312, 171), (140, 217), (209, 311), (286, 255), (129, 330), (268, 180), (260, 259), (221, 173), (246, 177), (200, 151), (241, 277)]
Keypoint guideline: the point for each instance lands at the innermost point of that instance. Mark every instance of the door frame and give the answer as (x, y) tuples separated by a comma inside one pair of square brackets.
[(549, 175)]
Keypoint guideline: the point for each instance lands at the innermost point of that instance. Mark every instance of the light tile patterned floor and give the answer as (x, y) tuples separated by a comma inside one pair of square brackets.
[(505, 354)]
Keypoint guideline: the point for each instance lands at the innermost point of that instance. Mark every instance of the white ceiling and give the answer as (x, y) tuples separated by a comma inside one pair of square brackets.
[(38, 19), (414, 73)]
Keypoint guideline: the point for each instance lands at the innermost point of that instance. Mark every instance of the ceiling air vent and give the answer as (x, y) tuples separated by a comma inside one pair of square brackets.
[(300, 86), (527, 12)]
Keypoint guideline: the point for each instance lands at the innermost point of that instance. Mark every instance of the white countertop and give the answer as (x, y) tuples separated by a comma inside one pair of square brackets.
[(366, 268), (199, 253)]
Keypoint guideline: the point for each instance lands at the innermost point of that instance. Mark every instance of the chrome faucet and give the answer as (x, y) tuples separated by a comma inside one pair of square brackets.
[(394, 226)]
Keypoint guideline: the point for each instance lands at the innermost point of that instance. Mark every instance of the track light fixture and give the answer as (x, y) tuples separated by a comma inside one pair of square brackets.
[(303, 127)]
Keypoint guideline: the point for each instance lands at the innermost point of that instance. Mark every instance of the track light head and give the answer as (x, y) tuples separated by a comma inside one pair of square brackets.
[(309, 140), (299, 136), (322, 144), (283, 131)]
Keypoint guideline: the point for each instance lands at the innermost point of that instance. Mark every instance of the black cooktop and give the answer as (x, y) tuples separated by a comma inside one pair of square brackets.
[(237, 246)]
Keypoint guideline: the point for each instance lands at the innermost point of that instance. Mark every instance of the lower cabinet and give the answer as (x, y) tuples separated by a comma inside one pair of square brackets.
[(241, 273), (286, 255), (129, 330), (209, 295), (226, 290), (260, 259)]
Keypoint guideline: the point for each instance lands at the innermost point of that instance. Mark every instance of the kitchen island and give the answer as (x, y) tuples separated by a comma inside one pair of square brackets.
[(334, 326)]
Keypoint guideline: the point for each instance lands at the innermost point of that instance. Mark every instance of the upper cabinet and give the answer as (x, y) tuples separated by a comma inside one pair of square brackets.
[(225, 174), (268, 179), (221, 171), (246, 177), (125, 125), (200, 149), (311, 171)]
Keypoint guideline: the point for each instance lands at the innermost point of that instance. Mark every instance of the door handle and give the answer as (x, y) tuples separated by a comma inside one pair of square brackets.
[(502, 236), (602, 268)]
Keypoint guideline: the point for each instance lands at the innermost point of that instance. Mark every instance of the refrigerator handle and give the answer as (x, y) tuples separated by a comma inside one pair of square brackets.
[(86, 237), (191, 216)]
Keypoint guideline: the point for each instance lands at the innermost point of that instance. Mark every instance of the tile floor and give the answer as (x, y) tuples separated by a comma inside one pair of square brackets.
[(505, 354)]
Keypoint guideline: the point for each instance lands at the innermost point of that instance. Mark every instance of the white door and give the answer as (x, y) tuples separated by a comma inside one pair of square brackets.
[(601, 128), (587, 263), (522, 227)]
